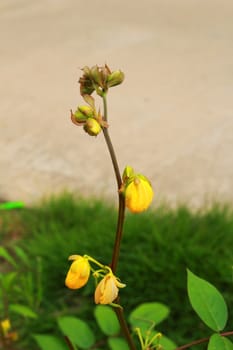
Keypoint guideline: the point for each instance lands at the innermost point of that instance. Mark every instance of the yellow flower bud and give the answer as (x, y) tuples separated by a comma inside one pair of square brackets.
[(78, 273), (138, 194), (107, 289), (6, 326), (82, 114), (86, 110), (92, 127)]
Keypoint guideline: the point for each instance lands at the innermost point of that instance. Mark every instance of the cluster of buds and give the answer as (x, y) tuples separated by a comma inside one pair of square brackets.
[(99, 79), (88, 117), (107, 283), (137, 190)]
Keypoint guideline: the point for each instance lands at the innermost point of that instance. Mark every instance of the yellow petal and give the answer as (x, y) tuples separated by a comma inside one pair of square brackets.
[(5, 325), (138, 195), (107, 289), (78, 273)]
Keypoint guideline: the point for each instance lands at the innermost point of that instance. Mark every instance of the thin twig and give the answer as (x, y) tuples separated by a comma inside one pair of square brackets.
[(203, 340)]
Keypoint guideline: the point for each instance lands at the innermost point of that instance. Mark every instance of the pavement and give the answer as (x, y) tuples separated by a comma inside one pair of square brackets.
[(171, 119)]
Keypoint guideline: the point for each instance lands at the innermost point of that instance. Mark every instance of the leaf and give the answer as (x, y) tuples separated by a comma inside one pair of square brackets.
[(77, 331), (167, 343), (22, 310), (207, 301), (22, 255), (49, 342), (4, 254), (8, 279), (148, 314), (117, 344), (107, 320), (217, 342)]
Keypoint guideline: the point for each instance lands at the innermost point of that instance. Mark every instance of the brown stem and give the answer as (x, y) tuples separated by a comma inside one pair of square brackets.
[(121, 200), (113, 157), (124, 327), (119, 229), (119, 232), (68, 342), (200, 341)]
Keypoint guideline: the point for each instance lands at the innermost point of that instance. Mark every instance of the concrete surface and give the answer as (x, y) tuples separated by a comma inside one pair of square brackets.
[(172, 119)]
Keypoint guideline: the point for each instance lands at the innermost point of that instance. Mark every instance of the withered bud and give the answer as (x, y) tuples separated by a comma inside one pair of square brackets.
[(95, 75), (86, 83)]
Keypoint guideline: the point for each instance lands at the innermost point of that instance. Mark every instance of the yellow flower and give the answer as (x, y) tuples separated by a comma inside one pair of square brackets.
[(78, 273), (107, 289), (138, 194), (5, 325)]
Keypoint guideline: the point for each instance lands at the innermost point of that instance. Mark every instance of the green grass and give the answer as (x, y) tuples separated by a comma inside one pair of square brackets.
[(157, 247)]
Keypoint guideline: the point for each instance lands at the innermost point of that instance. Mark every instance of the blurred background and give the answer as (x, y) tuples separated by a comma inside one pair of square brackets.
[(172, 118)]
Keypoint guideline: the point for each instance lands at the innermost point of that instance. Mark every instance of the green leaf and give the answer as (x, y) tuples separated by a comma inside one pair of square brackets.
[(148, 314), (217, 342), (49, 342), (22, 310), (107, 320), (208, 303), (117, 344), (77, 331), (22, 255), (167, 343), (8, 279), (5, 255)]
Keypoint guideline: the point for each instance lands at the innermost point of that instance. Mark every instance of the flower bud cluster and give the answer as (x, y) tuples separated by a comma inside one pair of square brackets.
[(137, 190), (88, 117), (99, 79), (107, 283)]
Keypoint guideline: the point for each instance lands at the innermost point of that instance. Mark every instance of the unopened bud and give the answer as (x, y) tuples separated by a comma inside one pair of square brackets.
[(92, 127), (86, 110), (115, 78), (83, 113), (128, 172), (138, 193)]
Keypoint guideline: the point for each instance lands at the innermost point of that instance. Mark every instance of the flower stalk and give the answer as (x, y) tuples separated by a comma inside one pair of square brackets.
[(120, 224), (134, 192)]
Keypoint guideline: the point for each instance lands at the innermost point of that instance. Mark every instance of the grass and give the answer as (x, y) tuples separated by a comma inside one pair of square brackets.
[(157, 248)]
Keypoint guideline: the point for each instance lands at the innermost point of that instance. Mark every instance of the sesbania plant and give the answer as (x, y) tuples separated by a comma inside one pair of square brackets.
[(134, 193)]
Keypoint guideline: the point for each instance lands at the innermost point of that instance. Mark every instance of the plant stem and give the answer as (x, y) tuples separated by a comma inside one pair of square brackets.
[(200, 341), (68, 342), (119, 232), (124, 327), (120, 224), (121, 208), (110, 146)]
